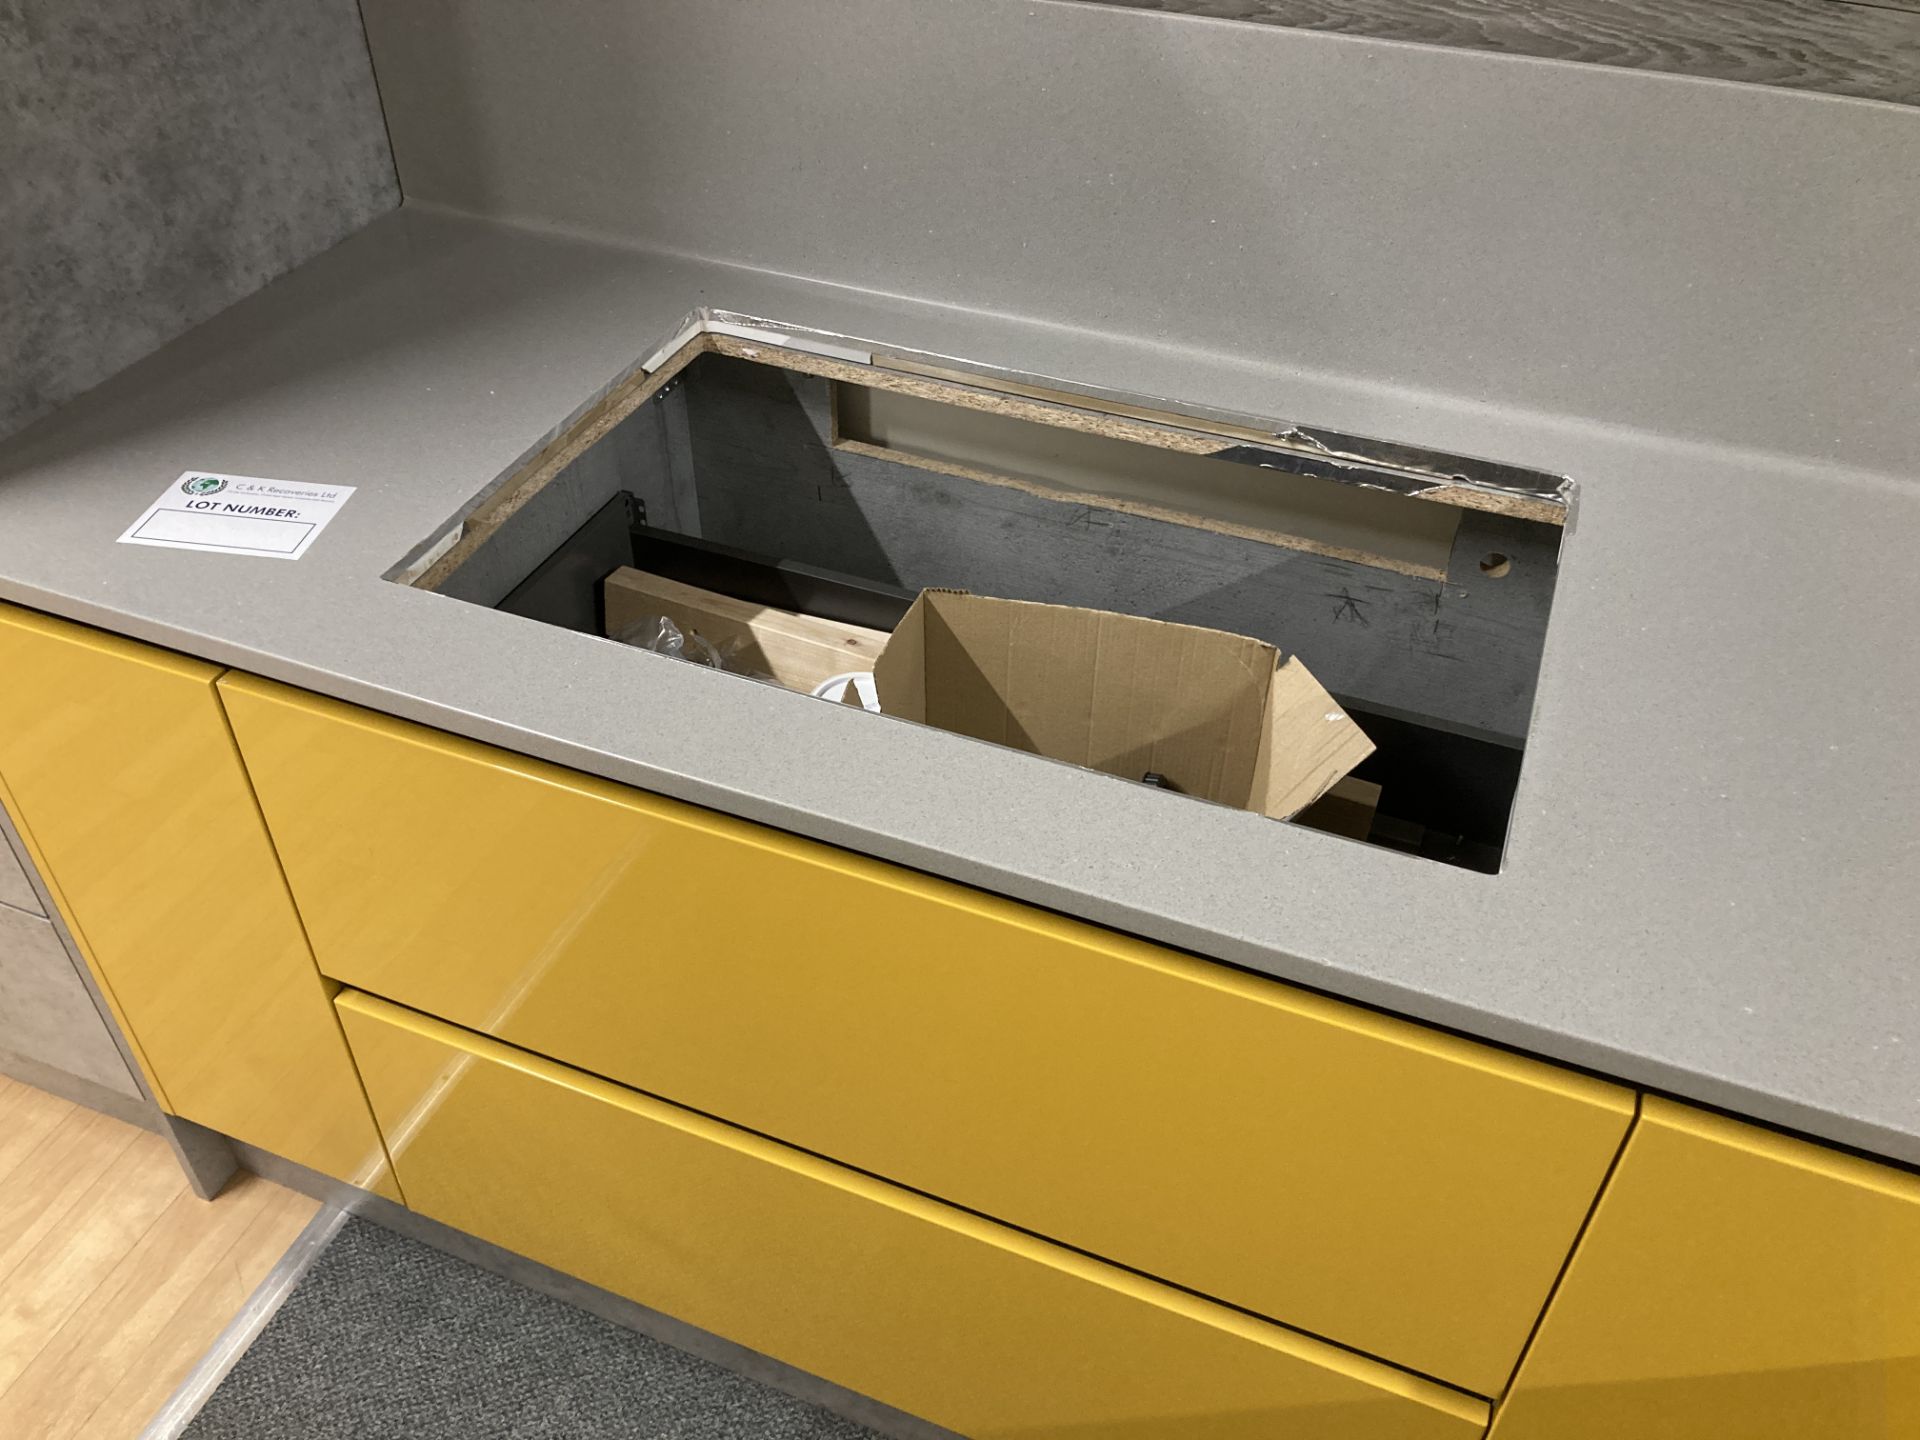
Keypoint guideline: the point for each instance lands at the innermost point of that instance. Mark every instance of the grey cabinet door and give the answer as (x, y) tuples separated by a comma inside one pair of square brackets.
[(46, 1012), (15, 890)]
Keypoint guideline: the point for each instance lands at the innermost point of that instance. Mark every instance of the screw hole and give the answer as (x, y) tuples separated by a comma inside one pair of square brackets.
[(1494, 565)]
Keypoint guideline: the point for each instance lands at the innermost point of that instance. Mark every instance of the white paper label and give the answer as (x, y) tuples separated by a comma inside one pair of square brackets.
[(238, 515)]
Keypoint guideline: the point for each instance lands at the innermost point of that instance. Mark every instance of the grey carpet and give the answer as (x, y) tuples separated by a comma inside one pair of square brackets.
[(387, 1337)]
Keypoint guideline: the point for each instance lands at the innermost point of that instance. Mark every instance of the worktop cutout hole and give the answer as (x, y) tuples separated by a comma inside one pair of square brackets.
[(829, 491)]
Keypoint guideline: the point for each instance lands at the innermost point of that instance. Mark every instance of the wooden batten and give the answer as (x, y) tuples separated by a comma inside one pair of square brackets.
[(799, 651)]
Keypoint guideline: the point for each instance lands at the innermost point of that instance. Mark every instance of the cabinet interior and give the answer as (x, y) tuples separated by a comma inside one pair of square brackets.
[(1415, 587)]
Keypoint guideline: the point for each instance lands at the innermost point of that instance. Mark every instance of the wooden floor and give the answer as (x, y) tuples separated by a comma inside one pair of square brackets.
[(114, 1278)]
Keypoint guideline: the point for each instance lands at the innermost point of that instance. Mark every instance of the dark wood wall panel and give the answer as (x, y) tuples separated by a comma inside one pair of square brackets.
[(1846, 48)]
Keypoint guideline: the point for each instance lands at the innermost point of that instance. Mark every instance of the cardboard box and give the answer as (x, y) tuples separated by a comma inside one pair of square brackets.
[(1220, 716)]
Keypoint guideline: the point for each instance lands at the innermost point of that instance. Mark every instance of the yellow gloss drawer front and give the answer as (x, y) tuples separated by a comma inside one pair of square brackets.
[(984, 1330), (1396, 1190), (118, 766), (1734, 1283)]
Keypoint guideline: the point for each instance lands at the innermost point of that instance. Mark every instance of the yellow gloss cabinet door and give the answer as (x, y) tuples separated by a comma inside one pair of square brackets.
[(1734, 1285), (940, 1313), (1393, 1189), (123, 777)]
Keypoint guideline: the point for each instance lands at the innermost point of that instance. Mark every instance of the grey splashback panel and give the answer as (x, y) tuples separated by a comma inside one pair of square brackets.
[(1635, 249), (160, 161), (1870, 49)]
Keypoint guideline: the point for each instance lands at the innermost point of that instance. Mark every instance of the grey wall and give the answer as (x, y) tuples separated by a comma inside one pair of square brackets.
[(159, 161), (1869, 48)]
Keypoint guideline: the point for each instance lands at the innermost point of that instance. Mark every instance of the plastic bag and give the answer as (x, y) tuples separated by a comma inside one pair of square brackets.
[(660, 635)]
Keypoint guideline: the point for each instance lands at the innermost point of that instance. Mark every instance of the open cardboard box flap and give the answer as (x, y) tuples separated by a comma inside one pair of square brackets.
[(1221, 716)]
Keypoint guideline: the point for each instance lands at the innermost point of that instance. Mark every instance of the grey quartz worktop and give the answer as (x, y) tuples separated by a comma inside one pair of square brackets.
[(1710, 883)]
